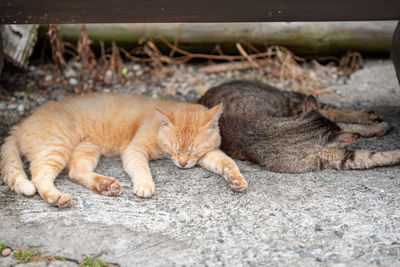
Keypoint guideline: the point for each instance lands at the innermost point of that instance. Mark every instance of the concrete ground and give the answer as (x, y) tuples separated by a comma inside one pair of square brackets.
[(333, 218)]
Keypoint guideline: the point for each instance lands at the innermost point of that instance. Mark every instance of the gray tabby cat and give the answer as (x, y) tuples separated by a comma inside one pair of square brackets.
[(289, 132)]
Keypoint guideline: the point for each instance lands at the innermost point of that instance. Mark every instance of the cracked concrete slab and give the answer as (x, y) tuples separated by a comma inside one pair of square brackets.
[(341, 218)]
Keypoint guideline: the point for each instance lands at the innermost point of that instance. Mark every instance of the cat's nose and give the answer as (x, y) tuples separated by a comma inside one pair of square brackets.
[(182, 163)]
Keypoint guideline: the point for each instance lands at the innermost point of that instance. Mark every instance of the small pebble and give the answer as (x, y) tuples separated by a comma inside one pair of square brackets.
[(48, 78), (207, 175), (21, 108), (339, 234), (12, 106), (73, 81), (348, 209), (108, 75), (19, 93), (377, 261), (136, 67), (318, 228), (6, 252), (69, 73)]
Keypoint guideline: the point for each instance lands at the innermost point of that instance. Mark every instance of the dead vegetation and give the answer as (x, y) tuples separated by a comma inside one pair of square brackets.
[(275, 61)]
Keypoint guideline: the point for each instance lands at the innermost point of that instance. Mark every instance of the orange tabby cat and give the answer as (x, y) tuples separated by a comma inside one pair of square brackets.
[(74, 132)]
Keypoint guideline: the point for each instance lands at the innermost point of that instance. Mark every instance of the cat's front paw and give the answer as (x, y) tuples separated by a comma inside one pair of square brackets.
[(236, 182), (145, 189), (58, 199)]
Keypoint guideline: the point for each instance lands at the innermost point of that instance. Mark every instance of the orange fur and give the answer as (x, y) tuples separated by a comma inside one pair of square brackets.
[(74, 132)]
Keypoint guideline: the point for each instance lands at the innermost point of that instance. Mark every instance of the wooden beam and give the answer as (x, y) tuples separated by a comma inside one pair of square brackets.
[(131, 11), (396, 50), (1, 54)]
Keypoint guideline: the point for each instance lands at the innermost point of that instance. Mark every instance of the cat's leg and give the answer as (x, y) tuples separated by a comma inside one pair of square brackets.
[(364, 116), (218, 162), (83, 161), (362, 159), (340, 159), (379, 129), (45, 166), (136, 163)]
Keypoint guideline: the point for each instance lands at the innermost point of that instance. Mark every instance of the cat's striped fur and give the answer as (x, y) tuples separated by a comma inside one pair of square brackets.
[(274, 128)]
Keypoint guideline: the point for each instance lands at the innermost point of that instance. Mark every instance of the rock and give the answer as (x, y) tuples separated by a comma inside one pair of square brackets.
[(62, 264), (12, 106), (339, 234), (19, 93), (136, 67), (32, 264), (21, 108), (69, 73), (48, 78), (6, 252), (207, 175), (317, 228), (73, 81)]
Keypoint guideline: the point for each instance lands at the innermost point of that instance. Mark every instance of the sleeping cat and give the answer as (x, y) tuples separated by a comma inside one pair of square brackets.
[(289, 132), (74, 132)]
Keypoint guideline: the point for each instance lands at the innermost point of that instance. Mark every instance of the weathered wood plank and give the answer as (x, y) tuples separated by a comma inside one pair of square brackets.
[(302, 38), (129, 11), (18, 42), (1, 53), (396, 51)]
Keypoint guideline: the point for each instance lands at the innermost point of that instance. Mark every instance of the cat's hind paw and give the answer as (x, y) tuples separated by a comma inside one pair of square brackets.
[(107, 186), (145, 189), (382, 129), (369, 116)]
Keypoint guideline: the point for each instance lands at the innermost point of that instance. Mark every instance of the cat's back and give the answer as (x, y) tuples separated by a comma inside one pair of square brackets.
[(89, 105), (239, 95)]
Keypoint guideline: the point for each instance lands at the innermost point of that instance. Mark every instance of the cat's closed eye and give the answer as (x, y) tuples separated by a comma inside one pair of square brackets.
[(193, 151), (174, 149)]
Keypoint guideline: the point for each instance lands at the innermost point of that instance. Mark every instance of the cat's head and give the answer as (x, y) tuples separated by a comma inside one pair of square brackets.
[(189, 133)]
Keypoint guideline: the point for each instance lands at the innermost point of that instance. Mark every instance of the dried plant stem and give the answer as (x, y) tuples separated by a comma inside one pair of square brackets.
[(85, 53), (57, 45), (241, 51)]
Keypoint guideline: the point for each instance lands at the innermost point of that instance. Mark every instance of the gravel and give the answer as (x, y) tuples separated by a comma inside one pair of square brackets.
[(329, 218)]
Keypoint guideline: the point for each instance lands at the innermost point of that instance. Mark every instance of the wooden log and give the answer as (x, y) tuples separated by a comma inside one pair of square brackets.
[(1, 53), (18, 42), (304, 38), (396, 51)]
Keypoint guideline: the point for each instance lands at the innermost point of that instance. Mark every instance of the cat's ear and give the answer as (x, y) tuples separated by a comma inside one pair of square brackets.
[(165, 121), (310, 104), (213, 115), (344, 139)]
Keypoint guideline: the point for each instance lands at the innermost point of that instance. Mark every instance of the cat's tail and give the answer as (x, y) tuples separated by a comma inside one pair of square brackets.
[(12, 169)]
